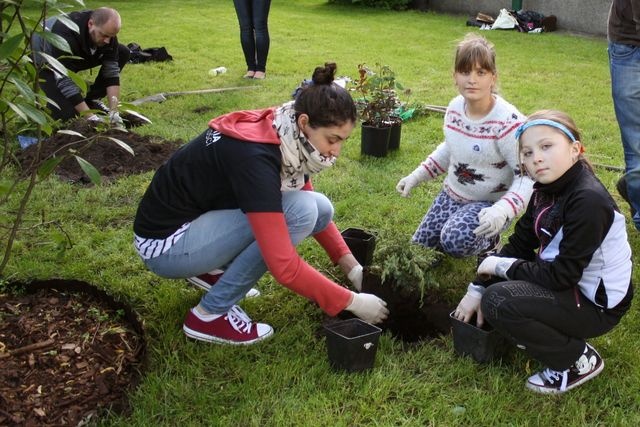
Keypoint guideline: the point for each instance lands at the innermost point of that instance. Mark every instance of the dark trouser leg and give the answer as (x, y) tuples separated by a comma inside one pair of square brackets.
[(547, 324), (98, 89), (64, 110), (247, 38), (260, 10)]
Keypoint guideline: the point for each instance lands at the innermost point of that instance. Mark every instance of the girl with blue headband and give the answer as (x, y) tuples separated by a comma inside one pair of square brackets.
[(483, 190), (565, 274)]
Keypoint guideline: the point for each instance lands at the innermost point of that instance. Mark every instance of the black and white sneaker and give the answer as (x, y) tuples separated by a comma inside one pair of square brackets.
[(97, 105), (588, 365), (495, 247)]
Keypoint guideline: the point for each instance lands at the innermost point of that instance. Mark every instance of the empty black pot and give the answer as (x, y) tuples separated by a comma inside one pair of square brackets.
[(361, 243), (482, 344), (352, 344), (395, 135)]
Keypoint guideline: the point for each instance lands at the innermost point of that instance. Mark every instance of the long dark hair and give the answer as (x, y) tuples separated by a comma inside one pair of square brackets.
[(326, 103)]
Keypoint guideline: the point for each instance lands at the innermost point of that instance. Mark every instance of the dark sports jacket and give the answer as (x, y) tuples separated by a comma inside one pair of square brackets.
[(82, 47), (573, 235)]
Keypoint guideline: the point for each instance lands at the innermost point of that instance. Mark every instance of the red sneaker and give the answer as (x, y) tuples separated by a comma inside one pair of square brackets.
[(207, 280), (235, 327)]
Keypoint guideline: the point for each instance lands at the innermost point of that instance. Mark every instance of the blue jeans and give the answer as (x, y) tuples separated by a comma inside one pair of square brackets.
[(223, 239), (624, 61), (254, 33)]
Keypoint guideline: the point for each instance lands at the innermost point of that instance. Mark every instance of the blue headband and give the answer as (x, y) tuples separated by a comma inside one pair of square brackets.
[(545, 122)]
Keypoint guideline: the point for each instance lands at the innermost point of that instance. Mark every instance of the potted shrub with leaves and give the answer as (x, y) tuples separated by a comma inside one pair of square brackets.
[(377, 101), (417, 285)]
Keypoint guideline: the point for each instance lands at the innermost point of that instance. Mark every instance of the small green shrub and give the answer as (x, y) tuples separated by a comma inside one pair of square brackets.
[(409, 266)]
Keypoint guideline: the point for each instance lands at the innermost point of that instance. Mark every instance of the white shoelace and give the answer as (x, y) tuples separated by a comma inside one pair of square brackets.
[(553, 376), (239, 320)]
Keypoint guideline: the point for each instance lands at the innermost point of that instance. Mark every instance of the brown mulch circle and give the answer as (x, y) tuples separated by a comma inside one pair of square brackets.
[(68, 352), (111, 160)]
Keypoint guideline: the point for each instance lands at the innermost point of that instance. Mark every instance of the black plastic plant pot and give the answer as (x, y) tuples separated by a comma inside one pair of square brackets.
[(361, 243), (394, 135), (352, 344), (482, 344), (374, 141)]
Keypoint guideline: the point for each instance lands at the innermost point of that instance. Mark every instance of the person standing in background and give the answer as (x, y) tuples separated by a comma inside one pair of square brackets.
[(254, 35), (624, 60)]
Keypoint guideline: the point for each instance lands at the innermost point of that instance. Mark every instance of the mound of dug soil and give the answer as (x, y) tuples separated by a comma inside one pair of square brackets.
[(110, 159)]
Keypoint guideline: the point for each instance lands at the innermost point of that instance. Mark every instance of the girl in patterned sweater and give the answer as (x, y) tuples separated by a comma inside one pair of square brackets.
[(484, 189)]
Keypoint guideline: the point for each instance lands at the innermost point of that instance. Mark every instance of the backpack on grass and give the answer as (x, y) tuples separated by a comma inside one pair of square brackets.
[(139, 55)]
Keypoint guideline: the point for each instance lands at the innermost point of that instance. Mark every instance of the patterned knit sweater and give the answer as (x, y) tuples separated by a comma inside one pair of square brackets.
[(481, 157)]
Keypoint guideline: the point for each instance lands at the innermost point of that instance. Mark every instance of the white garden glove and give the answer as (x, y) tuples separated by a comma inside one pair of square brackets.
[(355, 277), (368, 307), (470, 305), (492, 220), (94, 118), (115, 120), (495, 266), (405, 185)]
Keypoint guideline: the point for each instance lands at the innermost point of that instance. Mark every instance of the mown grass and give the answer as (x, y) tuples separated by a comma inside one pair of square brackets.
[(287, 380)]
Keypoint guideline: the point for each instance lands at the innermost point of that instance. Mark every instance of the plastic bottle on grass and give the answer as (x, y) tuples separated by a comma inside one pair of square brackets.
[(216, 71)]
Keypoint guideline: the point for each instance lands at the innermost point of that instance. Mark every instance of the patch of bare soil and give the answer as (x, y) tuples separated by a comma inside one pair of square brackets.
[(410, 318), (111, 160), (66, 355)]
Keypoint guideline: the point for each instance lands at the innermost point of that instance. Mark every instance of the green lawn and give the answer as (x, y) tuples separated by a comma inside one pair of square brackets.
[(287, 380)]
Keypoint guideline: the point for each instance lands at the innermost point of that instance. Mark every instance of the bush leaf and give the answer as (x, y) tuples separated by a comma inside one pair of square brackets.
[(9, 46), (122, 144), (48, 166), (89, 169)]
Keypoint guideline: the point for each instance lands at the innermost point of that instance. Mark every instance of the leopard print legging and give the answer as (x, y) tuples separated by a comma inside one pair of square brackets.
[(448, 225)]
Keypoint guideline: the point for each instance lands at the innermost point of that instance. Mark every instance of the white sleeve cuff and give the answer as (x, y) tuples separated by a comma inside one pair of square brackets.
[(476, 290)]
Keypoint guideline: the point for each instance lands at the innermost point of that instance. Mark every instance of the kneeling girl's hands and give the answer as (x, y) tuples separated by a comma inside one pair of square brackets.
[(470, 305), (405, 185)]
